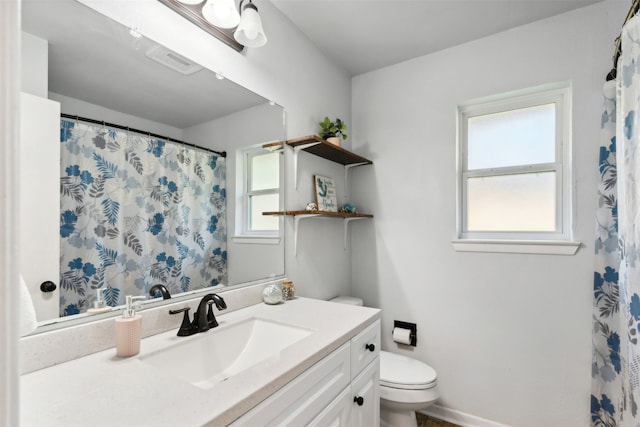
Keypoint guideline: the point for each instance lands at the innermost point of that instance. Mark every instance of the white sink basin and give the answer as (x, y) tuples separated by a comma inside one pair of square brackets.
[(209, 358)]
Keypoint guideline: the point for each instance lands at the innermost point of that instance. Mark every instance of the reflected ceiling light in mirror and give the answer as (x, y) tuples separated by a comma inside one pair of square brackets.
[(221, 13), (134, 32), (250, 32)]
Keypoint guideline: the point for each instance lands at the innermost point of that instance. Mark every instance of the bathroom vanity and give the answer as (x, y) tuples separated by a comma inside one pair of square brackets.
[(304, 362)]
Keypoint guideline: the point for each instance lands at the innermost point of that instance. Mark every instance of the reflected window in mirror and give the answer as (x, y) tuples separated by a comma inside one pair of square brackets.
[(260, 192)]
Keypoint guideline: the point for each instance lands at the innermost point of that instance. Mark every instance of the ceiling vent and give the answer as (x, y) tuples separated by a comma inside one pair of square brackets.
[(172, 60)]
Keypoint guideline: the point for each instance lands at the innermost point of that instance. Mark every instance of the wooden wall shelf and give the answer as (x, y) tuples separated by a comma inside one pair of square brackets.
[(320, 213), (317, 146), (322, 148), (304, 214)]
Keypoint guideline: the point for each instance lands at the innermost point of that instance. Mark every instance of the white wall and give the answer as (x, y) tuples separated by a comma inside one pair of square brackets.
[(74, 106), (509, 335), (290, 71), (34, 65)]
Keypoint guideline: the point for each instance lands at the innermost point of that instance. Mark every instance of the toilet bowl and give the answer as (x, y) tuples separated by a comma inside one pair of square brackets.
[(406, 385)]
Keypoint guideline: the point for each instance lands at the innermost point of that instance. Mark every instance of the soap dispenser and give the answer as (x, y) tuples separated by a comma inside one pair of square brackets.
[(128, 329), (99, 305)]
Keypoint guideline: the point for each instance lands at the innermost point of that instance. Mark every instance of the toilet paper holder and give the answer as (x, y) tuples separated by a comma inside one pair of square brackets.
[(407, 325)]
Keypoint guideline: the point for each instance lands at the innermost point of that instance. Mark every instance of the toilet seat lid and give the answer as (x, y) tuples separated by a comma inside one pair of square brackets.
[(403, 372)]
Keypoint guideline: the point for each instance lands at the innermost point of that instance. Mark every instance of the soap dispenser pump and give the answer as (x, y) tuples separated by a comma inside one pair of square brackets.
[(128, 329), (99, 305)]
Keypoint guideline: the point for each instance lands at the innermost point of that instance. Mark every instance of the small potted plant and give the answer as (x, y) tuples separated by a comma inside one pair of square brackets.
[(333, 130)]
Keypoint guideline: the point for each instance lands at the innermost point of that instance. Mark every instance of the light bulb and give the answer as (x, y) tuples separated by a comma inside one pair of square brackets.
[(220, 10), (250, 33), (221, 13), (251, 28)]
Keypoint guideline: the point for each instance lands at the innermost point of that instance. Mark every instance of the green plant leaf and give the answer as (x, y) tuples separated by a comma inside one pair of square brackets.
[(330, 128)]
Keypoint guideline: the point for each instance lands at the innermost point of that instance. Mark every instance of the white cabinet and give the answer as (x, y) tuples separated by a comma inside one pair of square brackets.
[(298, 403), (365, 389), (338, 413), (357, 405), (365, 377), (365, 347), (340, 390)]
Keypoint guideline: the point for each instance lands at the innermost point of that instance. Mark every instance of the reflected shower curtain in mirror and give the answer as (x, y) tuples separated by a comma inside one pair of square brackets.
[(137, 211), (615, 391)]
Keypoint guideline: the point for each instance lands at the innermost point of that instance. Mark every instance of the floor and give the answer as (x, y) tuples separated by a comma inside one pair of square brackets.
[(425, 421)]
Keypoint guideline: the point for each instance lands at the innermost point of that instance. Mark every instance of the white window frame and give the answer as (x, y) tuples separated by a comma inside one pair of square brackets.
[(244, 234), (558, 242)]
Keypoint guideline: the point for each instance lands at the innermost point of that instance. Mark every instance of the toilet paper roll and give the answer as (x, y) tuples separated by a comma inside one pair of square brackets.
[(402, 336)]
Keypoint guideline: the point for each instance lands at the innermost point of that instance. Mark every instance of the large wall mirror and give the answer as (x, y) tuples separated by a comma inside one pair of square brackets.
[(96, 68)]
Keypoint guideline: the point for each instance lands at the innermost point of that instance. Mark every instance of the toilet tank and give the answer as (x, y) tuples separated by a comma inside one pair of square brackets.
[(347, 300)]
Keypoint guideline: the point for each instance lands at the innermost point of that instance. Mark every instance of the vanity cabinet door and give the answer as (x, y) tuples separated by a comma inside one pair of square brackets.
[(304, 398), (338, 413), (365, 347), (365, 399)]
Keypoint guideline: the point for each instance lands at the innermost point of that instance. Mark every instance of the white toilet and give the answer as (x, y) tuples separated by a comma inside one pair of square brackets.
[(406, 384)]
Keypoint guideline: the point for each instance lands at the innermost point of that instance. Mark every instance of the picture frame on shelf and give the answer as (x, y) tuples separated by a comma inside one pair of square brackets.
[(325, 193)]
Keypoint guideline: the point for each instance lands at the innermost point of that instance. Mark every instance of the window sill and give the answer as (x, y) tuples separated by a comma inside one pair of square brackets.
[(541, 247), (256, 240)]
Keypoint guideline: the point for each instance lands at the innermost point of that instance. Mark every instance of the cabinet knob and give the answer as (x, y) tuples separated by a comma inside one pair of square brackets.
[(48, 286), (359, 400), (370, 347)]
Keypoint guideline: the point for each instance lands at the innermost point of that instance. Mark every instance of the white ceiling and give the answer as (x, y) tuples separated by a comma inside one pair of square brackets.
[(358, 35), (364, 35)]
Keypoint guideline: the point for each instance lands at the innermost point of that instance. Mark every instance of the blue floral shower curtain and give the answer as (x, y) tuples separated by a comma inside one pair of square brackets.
[(137, 211), (616, 318)]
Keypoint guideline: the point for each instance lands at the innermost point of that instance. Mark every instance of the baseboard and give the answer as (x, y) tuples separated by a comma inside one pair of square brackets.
[(459, 418)]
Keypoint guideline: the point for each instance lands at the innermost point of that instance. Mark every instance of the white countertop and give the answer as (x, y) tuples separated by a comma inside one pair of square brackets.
[(103, 390)]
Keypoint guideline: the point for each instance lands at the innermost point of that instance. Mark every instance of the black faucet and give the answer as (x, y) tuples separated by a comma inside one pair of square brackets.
[(159, 288), (186, 328), (203, 319)]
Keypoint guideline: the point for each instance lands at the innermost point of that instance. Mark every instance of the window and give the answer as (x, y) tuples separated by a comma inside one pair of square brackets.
[(514, 180), (260, 180)]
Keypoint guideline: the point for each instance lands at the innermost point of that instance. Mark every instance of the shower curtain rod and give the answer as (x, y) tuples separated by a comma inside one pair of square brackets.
[(632, 11), (113, 125)]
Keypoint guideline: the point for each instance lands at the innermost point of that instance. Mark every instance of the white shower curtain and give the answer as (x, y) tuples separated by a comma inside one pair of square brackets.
[(137, 211), (615, 391)]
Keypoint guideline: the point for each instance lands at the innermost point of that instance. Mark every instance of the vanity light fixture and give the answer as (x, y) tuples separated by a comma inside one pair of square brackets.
[(250, 33), (237, 27)]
